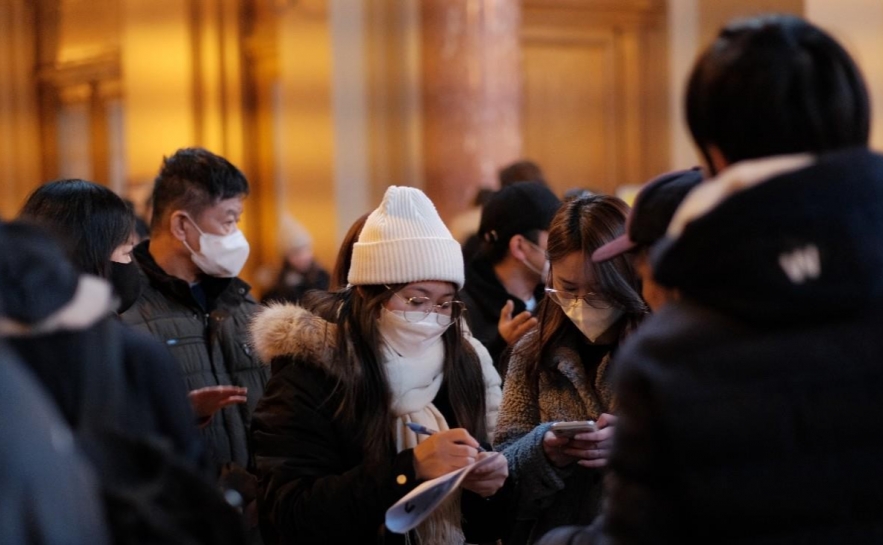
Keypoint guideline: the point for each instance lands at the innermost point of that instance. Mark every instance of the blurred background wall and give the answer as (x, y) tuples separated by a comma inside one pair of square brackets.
[(324, 103)]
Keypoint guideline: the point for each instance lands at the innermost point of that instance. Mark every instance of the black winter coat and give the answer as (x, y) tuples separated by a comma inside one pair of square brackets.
[(155, 403), (314, 484), (751, 412), (48, 491), (210, 345)]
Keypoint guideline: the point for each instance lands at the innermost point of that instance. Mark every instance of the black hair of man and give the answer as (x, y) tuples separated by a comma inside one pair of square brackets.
[(523, 208), (521, 171), (775, 85), (194, 179)]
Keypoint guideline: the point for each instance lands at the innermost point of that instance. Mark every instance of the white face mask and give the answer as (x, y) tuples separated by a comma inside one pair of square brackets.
[(411, 339), (593, 322), (219, 255), (544, 272)]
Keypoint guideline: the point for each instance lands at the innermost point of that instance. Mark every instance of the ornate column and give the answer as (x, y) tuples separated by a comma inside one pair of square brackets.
[(19, 127), (471, 96)]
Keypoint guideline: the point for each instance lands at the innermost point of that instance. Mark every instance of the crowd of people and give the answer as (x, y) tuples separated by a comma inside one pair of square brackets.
[(701, 367)]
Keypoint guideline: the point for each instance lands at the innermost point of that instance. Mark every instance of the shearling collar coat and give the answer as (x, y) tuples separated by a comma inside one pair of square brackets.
[(569, 387)]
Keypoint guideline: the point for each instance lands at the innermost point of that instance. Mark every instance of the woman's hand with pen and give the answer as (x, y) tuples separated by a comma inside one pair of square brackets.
[(443, 452)]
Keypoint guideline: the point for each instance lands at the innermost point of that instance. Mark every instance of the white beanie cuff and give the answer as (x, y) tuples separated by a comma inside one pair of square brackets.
[(401, 261)]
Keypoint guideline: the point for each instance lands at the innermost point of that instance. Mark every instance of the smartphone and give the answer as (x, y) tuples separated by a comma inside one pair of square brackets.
[(570, 429)]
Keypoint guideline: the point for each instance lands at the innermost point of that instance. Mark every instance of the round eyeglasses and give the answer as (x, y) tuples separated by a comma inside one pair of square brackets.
[(567, 299), (418, 308)]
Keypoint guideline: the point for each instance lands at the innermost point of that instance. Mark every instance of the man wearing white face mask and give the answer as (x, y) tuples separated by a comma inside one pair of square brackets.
[(193, 301), (505, 282)]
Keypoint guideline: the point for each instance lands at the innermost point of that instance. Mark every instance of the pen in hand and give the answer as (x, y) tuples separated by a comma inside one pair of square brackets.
[(423, 430)]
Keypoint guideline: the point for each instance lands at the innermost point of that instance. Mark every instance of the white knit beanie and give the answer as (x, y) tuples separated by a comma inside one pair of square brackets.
[(404, 240)]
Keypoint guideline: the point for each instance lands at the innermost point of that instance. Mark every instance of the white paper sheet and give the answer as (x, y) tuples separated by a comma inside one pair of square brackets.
[(419, 503)]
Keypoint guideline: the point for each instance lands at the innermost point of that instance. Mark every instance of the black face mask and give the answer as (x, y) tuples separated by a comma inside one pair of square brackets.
[(126, 281)]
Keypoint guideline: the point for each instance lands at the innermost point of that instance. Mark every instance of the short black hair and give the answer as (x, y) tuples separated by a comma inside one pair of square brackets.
[(774, 85), (521, 171), (89, 220), (194, 179)]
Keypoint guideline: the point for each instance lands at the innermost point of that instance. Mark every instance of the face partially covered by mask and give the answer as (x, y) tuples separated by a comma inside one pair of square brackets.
[(591, 321), (576, 290), (219, 255), (532, 262), (126, 281)]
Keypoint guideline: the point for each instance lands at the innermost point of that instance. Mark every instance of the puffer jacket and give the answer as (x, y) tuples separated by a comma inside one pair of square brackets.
[(210, 346), (750, 411), (314, 484), (573, 386)]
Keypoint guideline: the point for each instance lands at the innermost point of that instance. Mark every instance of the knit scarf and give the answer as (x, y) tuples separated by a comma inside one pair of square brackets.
[(414, 382)]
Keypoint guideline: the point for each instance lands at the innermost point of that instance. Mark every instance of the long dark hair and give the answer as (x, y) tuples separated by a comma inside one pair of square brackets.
[(345, 254), (363, 387), (583, 225), (90, 220)]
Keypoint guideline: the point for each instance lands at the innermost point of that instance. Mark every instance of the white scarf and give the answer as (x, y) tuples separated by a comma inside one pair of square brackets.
[(414, 382)]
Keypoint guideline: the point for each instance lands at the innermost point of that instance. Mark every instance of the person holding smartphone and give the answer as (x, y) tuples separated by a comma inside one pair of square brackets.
[(332, 439), (560, 372)]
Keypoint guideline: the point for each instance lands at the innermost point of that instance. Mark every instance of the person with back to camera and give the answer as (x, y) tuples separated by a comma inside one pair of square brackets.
[(331, 438), (750, 409), (506, 281), (561, 371), (648, 219)]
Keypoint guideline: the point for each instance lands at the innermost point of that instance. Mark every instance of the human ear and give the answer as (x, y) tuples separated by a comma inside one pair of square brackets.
[(515, 247), (177, 220), (715, 159)]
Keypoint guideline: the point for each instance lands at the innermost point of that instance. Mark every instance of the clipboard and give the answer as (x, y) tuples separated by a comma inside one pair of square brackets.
[(407, 513)]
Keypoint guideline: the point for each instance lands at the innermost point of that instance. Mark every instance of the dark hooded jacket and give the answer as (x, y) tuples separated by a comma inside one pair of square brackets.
[(48, 492), (485, 297), (209, 344), (750, 411)]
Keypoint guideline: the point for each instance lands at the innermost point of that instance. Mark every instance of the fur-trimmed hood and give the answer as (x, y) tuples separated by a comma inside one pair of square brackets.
[(284, 329)]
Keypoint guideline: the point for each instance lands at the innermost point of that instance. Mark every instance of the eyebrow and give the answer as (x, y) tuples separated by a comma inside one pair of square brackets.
[(426, 292)]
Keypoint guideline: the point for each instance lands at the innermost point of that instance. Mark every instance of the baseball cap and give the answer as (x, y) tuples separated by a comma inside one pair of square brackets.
[(517, 209), (654, 207)]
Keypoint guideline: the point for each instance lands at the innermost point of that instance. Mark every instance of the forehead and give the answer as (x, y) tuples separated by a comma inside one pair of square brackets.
[(429, 288), (231, 207), (575, 268)]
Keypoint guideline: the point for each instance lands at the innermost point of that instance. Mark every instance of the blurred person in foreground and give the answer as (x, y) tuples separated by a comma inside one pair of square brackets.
[(749, 409), (648, 219)]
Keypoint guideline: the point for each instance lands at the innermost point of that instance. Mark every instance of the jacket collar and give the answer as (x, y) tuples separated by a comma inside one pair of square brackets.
[(792, 239), (233, 290), (594, 394)]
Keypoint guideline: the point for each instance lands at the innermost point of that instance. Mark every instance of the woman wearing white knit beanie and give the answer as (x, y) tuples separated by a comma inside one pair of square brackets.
[(331, 435)]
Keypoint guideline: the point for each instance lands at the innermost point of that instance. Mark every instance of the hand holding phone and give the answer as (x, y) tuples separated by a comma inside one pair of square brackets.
[(572, 428)]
